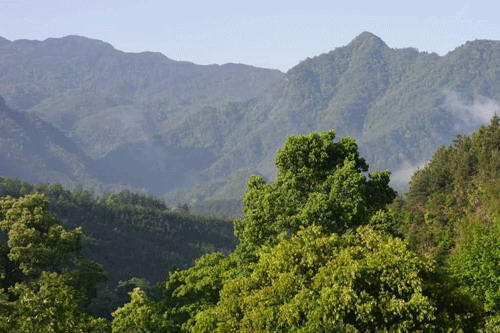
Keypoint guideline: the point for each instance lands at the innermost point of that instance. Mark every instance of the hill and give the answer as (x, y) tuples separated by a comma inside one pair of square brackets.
[(131, 234), (452, 213)]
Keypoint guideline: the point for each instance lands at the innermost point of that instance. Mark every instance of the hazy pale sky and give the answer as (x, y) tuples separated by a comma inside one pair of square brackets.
[(272, 33)]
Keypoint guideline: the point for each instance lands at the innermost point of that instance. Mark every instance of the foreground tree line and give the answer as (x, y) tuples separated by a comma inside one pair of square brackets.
[(327, 247)]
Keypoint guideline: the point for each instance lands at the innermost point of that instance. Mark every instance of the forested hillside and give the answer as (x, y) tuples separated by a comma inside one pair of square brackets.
[(197, 132), (131, 234), (400, 104), (136, 238), (116, 105), (452, 212)]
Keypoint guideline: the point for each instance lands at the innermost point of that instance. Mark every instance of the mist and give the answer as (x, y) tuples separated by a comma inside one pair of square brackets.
[(470, 113)]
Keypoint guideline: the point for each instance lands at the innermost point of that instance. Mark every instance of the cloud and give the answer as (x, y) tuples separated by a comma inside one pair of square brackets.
[(401, 176), (470, 114)]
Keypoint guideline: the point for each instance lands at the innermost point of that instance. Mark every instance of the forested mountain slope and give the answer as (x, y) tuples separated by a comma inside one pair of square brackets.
[(130, 234), (105, 97), (400, 104), (452, 213), (35, 151), (197, 132), (115, 105)]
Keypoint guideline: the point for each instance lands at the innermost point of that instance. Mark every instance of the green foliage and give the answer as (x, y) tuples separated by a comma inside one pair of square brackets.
[(46, 282), (188, 292), (316, 254), (454, 184), (130, 234), (50, 304), (476, 258), (129, 198), (452, 212), (322, 282), (36, 241), (184, 294), (140, 316), (455, 168), (319, 182)]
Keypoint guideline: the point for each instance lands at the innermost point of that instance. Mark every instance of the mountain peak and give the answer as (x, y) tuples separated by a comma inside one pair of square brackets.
[(367, 38), (81, 41)]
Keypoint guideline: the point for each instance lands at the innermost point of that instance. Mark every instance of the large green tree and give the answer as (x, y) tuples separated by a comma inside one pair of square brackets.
[(46, 283), (319, 182), (322, 282)]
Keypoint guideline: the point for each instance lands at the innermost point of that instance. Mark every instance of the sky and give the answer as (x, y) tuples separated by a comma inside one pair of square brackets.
[(265, 33)]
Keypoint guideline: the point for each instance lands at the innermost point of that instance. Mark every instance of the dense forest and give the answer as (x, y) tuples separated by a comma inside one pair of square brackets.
[(326, 247), (134, 236)]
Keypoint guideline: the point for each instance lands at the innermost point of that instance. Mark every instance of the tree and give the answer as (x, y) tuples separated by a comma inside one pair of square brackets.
[(50, 304), (46, 283), (185, 293), (322, 282), (319, 182), (475, 260), (140, 315)]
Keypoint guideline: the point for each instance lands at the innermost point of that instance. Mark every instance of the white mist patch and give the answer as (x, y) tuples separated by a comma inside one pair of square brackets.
[(401, 176), (470, 114)]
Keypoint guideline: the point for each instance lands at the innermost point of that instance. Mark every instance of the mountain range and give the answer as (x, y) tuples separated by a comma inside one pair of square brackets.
[(194, 133)]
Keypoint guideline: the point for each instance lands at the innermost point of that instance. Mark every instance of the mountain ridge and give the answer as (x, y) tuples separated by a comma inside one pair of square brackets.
[(405, 109), (207, 124)]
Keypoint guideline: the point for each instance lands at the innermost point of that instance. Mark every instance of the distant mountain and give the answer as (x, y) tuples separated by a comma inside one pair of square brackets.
[(196, 132), (400, 104), (114, 105), (34, 150), (106, 98)]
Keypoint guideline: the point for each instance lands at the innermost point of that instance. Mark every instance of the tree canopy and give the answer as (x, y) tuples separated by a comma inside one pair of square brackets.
[(319, 182), (46, 282)]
